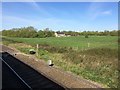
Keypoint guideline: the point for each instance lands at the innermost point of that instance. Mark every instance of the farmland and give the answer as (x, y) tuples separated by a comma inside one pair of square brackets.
[(75, 42), (96, 61)]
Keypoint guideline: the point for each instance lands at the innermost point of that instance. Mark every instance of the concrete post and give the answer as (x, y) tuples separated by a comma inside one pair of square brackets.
[(88, 44), (37, 49)]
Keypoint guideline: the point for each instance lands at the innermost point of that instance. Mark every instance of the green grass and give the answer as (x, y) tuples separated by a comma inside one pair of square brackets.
[(98, 62), (79, 42)]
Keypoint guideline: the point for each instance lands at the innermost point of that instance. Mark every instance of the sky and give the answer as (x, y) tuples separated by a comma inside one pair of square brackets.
[(69, 16)]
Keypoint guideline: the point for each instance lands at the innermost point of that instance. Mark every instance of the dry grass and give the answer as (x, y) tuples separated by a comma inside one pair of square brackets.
[(97, 64)]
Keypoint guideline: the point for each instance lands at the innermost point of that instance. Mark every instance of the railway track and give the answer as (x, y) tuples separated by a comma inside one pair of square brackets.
[(26, 76)]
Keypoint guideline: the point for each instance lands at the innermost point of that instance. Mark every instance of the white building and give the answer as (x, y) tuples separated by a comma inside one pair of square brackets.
[(59, 34)]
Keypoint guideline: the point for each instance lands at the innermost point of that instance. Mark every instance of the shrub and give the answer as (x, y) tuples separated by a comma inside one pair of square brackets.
[(86, 36)]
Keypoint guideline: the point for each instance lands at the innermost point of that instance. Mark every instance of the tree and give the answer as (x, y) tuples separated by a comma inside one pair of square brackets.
[(86, 36), (41, 34)]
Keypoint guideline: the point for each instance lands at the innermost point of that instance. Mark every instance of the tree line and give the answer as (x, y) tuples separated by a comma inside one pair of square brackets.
[(31, 32), (28, 32)]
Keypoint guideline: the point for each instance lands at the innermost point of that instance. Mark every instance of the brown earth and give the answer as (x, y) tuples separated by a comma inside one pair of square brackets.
[(66, 79)]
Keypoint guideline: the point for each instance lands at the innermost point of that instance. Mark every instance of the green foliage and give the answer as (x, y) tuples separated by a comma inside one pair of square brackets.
[(31, 32), (21, 32), (27, 32), (54, 49), (72, 33), (78, 42), (106, 52), (8, 41), (25, 50), (101, 33), (98, 62), (41, 34), (86, 36)]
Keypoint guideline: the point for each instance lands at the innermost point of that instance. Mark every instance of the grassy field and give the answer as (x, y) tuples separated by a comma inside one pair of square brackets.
[(75, 42), (98, 62)]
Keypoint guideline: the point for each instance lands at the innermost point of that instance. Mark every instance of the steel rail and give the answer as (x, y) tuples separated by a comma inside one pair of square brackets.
[(17, 75)]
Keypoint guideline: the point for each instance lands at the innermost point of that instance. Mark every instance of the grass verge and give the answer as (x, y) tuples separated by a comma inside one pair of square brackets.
[(96, 64)]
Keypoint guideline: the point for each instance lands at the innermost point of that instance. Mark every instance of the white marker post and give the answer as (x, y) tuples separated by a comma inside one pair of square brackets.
[(50, 63), (37, 49), (88, 44)]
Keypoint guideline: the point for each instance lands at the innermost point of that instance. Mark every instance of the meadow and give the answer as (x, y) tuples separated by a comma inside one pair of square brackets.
[(79, 42), (97, 61)]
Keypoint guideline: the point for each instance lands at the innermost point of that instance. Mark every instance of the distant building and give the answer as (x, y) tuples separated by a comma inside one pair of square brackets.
[(68, 35), (60, 34)]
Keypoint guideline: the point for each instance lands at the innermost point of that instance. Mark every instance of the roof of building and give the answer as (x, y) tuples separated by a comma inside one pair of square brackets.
[(60, 32)]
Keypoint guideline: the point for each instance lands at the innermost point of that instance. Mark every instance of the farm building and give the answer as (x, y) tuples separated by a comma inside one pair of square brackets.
[(60, 34)]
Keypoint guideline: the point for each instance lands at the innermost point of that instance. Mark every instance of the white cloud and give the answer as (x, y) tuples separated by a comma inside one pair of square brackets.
[(107, 12), (94, 10), (35, 5), (97, 9), (39, 9)]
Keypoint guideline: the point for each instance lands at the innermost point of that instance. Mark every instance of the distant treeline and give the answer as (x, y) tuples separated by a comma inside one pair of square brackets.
[(31, 32)]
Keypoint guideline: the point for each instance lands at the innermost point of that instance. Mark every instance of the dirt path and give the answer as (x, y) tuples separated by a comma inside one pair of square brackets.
[(63, 78)]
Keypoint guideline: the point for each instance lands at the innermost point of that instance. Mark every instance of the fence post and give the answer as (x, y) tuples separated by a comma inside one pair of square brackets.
[(37, 49), (88, 44)]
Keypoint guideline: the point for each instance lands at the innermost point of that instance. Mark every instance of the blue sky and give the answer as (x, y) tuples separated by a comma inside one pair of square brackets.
[(77, 16)]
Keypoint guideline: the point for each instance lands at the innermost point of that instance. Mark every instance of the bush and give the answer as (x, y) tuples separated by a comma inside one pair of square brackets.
[(86, 36)]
